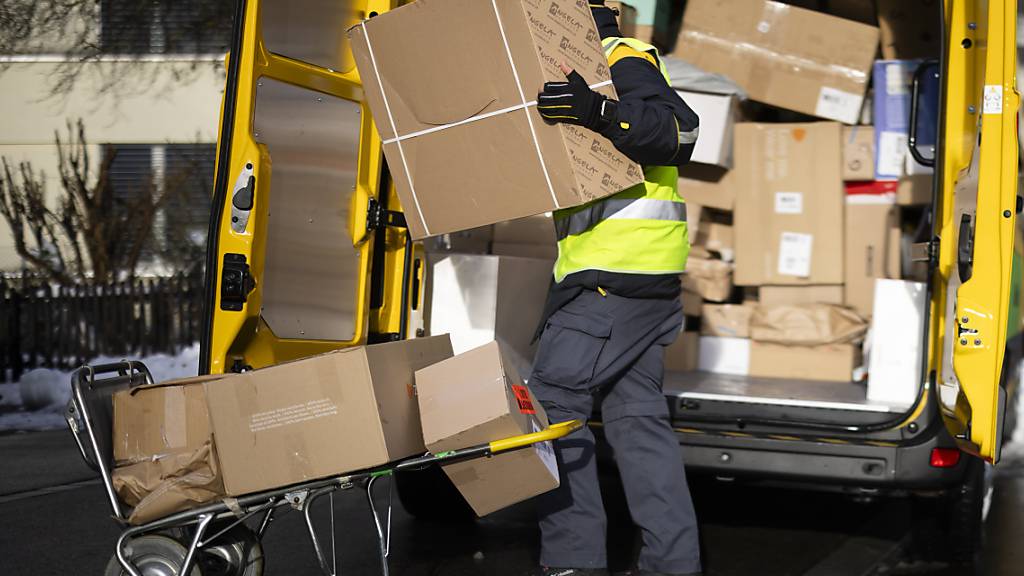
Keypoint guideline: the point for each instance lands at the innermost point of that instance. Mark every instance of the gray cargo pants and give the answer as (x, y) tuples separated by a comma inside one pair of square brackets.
[(614, 346)]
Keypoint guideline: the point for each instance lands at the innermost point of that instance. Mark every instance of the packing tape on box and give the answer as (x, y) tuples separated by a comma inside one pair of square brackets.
[(525, 106)]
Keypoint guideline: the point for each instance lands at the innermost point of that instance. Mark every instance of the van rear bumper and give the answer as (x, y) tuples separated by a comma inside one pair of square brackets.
[(828, 464)]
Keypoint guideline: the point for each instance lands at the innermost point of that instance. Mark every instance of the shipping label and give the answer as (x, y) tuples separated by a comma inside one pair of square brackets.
[(795, 254), (789, 203), (891, 156), (839, 105), (523, 399), (546, 451)]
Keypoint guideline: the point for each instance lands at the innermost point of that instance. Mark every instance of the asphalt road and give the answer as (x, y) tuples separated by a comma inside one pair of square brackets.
[(53, 520)]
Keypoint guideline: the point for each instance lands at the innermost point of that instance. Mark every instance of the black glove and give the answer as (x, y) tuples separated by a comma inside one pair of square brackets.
[(573, 102)]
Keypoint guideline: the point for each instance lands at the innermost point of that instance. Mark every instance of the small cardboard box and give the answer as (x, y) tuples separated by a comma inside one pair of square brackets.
[(729, 320), (783, 55), (830, 362), (463, 138), (717, 113), (710, 278), (894, 362), (872, 249), (858, 153), (476, 299), (683, 354), (475, 398), (710, 186), (293, 422), (724, 355), (778, 295), (789, 209)]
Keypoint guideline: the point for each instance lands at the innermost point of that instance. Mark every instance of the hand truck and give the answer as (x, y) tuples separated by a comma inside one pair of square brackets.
[(218, 534)]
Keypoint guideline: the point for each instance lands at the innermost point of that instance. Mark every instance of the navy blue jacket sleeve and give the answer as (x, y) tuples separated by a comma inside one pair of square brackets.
[(655, 127)]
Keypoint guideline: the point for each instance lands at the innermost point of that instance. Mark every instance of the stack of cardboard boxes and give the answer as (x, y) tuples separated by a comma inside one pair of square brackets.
[(811, 213)]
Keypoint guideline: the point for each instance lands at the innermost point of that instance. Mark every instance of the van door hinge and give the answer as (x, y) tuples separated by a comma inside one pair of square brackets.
[(377, 217), (925, 251), (236, 282)]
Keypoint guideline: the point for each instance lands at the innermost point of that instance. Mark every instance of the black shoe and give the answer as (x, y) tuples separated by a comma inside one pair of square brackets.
[(545, 571)]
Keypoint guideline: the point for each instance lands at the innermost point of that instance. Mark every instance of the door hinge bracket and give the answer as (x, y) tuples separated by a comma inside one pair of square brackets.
[(377, 217), (925, 251)]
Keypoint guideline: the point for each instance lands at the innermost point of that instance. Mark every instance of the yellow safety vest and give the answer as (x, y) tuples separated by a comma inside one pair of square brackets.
[(641, 230)]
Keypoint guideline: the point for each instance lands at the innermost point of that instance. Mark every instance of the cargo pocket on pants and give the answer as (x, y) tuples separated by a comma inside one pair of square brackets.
[(570, 347)]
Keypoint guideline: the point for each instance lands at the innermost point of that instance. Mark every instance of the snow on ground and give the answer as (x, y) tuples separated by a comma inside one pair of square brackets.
[(37, 402)]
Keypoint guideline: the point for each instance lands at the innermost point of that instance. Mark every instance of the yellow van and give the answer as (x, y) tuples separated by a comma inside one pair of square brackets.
[(307, 253)]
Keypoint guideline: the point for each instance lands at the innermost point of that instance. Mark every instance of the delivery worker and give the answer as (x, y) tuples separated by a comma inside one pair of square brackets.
[(611, 312)]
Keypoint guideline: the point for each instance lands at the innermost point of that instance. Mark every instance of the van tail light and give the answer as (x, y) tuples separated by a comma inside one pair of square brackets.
[(945, 457)]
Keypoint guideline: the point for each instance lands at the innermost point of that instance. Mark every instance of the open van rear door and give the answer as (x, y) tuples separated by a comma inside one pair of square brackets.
[(297, 192), (975, 216)]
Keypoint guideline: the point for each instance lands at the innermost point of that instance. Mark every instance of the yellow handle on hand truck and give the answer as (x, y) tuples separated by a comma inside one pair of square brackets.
[(552, 432)]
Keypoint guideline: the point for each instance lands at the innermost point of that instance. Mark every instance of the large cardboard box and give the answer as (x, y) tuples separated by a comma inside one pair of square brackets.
[(451, 85), (789, 208), (728, 320), (475, 398), (858, 153), (476, 299), (783, 55), (271, 427), (780, 295), (895, 355), (683, 354), (717, 113), (831, 362), (724, 355), (806, 324), (532, 237), (872, 249), (910, 28), (710, 186)]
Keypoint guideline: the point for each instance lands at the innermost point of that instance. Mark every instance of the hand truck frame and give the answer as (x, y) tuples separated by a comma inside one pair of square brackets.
[(89, 416)]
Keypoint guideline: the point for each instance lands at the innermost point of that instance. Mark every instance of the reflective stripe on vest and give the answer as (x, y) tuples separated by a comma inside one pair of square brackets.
[(641, 230)]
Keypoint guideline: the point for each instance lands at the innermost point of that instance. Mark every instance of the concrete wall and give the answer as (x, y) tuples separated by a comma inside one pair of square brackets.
[(152, 102)]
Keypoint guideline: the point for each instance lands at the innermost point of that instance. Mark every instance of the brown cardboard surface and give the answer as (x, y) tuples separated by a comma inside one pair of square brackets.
[(782, 55), (325, 415), (858, 153), (429, 81), (478, 397), (710, 186), (872, 251), (833, 363), (168, 484), (165, 418), (914, 190), (683, 354), (806, 324), (717, 237), (909, 28), (789, 208), (728, 320), (776, 295), (711, 279), (692, 303)]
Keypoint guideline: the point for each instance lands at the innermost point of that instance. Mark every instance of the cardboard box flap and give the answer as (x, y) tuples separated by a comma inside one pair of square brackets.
[(807, 324), (408, 75), (187, 381)]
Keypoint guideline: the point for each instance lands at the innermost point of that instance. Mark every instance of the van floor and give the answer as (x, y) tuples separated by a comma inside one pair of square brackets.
[(749, 390)]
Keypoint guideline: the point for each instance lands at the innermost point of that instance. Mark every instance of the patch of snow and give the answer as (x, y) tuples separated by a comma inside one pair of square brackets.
[(38, 400)]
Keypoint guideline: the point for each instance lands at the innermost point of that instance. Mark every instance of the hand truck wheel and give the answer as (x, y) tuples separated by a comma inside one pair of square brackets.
[(236, 553), (153, 555)]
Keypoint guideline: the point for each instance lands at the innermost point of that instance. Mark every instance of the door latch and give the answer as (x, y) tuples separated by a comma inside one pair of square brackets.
[(236, 282)]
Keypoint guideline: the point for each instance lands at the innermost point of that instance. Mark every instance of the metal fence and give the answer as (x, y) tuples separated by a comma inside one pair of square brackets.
[(43, 325)]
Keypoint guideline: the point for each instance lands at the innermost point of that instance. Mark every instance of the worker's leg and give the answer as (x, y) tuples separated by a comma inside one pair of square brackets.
[(650, 461), (588, 344)]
